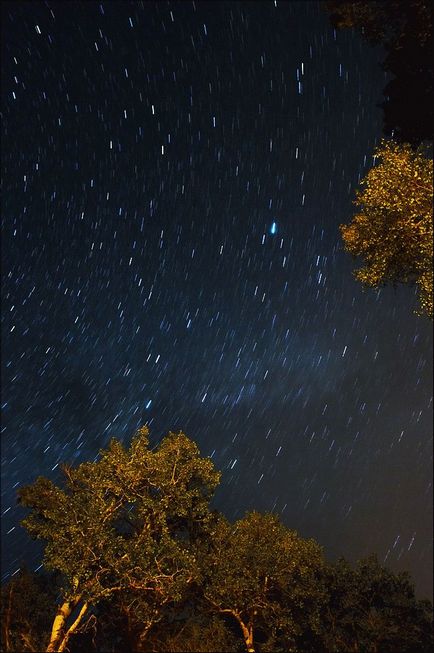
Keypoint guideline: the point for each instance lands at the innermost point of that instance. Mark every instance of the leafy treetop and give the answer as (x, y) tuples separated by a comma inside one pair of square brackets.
[(393, 229)]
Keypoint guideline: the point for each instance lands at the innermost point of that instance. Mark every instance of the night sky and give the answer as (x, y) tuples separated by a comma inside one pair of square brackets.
[(174, 176)]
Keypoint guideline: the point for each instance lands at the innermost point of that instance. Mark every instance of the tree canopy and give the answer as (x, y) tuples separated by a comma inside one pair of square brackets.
[(393, 230), (122, 525), (136, 559), (265, 577), (371, 609), (389, 22)]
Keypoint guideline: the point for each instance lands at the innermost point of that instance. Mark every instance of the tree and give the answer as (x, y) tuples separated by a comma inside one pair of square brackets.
[(370, 608), (27, 610), (393, 229), (123, 526), (404, 29), (264, 577), (141, 563), (409, 94), (200, 633), (388, 22)]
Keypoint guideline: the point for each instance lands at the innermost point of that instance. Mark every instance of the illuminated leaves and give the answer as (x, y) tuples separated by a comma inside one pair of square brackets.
[(126, 524), (393, 230), (264, 575), (133, 534)]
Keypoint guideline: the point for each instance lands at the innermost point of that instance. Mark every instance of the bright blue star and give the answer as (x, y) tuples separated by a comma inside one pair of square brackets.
[(273, 228)]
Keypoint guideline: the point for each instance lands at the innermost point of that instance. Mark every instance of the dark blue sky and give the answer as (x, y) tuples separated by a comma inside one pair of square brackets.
[(147, 151)]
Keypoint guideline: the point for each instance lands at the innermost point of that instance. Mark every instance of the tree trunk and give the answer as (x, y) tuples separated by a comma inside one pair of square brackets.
[(7, 622), (58, 627), (248, 635), (59, 633), (246, 630)]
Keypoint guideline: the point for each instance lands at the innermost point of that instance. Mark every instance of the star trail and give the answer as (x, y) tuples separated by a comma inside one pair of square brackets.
[(174, 178)]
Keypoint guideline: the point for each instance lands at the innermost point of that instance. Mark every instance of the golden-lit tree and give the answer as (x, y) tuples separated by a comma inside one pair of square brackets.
[(393, 229), (265, 577), (139, 562), (123, 526)]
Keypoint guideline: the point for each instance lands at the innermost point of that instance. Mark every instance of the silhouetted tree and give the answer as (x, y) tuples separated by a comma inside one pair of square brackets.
[(28, 606), (372, 609), (404, 29)]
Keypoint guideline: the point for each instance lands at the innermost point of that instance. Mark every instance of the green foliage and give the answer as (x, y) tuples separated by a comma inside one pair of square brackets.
[(147, 566), (371, 609), (264, 575), (126, 523), (393, 230), (199, 634)]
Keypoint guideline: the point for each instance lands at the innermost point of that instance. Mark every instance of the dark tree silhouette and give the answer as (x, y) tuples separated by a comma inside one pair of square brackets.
[(404, 29)]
